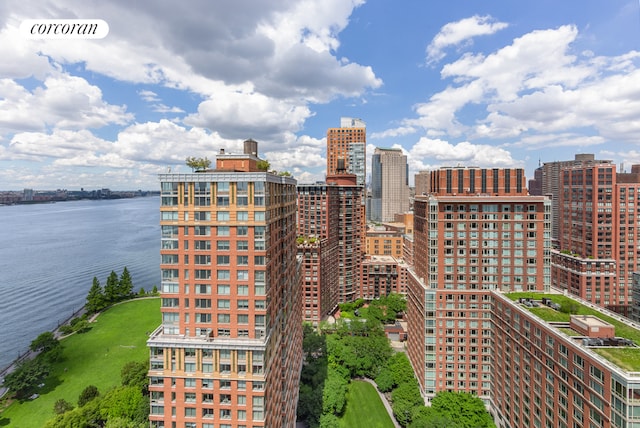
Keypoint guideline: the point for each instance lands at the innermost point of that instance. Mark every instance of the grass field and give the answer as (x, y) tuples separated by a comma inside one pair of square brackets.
[(364, 408), (118, 336)]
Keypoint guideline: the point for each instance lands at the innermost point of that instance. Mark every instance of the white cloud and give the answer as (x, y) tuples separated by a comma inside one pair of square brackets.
[(238, 115), (464, 153), (65, 102), (456, 33)]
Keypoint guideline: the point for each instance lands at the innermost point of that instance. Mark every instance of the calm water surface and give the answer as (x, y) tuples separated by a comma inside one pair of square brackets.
[(51, 252)]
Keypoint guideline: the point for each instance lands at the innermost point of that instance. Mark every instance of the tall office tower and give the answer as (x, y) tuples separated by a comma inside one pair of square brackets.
[(547, 182), (346, 149), (465, 246), (554, 369), (229, 349), (599, 234), (422, 182), (389, 184), (318, 219)]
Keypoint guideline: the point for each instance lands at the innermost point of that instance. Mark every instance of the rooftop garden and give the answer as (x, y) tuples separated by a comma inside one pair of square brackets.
[(625, 358)]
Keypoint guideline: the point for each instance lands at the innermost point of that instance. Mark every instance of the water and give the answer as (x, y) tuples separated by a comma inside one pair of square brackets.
[(51, 252)]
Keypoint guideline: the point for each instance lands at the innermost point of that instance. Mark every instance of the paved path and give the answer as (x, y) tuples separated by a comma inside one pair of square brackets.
[(385, 402)]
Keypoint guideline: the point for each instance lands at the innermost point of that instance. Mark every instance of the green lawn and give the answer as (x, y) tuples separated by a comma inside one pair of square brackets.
[(94, 358), (364, 408)]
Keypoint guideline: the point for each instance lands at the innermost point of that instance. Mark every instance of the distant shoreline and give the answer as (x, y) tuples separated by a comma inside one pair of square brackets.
[(112, 196)]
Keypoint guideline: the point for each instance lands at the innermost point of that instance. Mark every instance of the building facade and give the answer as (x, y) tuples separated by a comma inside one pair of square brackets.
[(318, 220), (228, 352), (548, 179), (389, 185), (346, 149), (464, 247), (422, 182), (599, 234), (554, 369), (381, 276)]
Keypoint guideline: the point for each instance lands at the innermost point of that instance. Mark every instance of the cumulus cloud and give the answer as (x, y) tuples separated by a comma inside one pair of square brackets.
[(534, 87), (64, 101), (466, 153), (243, 115), (456, 33)]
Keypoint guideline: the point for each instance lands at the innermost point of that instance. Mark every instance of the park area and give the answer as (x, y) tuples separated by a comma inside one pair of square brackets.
[(96, 357), (364, 408)]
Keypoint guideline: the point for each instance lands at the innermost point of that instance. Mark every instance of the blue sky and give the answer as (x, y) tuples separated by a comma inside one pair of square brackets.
[(482, 83)]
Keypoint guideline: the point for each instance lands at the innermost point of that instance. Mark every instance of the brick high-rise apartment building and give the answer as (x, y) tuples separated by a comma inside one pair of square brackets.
[(346, 149), (599, 234), (318, 219), (476, 232), (229, 350)]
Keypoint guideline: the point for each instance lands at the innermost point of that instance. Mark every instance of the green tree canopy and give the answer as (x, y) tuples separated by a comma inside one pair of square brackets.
[(44, 342), (111, 288), (466, 410), (95, 298), (26, 377), (125, 285), (88, 393), (198, 164)]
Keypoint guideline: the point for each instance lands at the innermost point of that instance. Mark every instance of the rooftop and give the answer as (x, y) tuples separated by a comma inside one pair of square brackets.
[(626, 358)]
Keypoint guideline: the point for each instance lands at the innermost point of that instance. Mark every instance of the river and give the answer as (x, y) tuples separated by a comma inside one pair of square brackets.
[(51, 252)]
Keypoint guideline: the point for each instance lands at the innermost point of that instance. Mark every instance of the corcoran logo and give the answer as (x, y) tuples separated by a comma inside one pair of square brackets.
[(64, 28)]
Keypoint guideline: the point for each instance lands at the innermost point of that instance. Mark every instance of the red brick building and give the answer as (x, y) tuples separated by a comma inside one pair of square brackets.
[(598, 234), (466, 245), (229, 349)]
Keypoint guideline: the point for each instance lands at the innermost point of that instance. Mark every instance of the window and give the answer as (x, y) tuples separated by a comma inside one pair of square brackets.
[(222, 260), (222, 216), (222, 230), (243, 304), (243, 275), (223, 304), (242, 245), (242, 260), (224, 318), (243, 290), (242, 216), (203, 318), (242, 230), (224, 289), (221, 245), (224, 274), (243, 319)]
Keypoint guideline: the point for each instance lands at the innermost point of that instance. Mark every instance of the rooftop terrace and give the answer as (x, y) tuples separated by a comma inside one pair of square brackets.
[(625, 357)]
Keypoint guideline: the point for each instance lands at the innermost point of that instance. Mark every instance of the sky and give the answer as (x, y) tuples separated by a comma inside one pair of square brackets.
[(492, 83)]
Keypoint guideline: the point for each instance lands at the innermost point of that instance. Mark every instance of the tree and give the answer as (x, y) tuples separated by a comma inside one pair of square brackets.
[(61, 406), (406, 397), (26, 377), (263, 165), (95, 298), (111, 289), (466, 410), (329, 420), (124, 402), (198, 164), (334, 395), (44, 342), (125, 285), (135, 374), (88, 393)]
